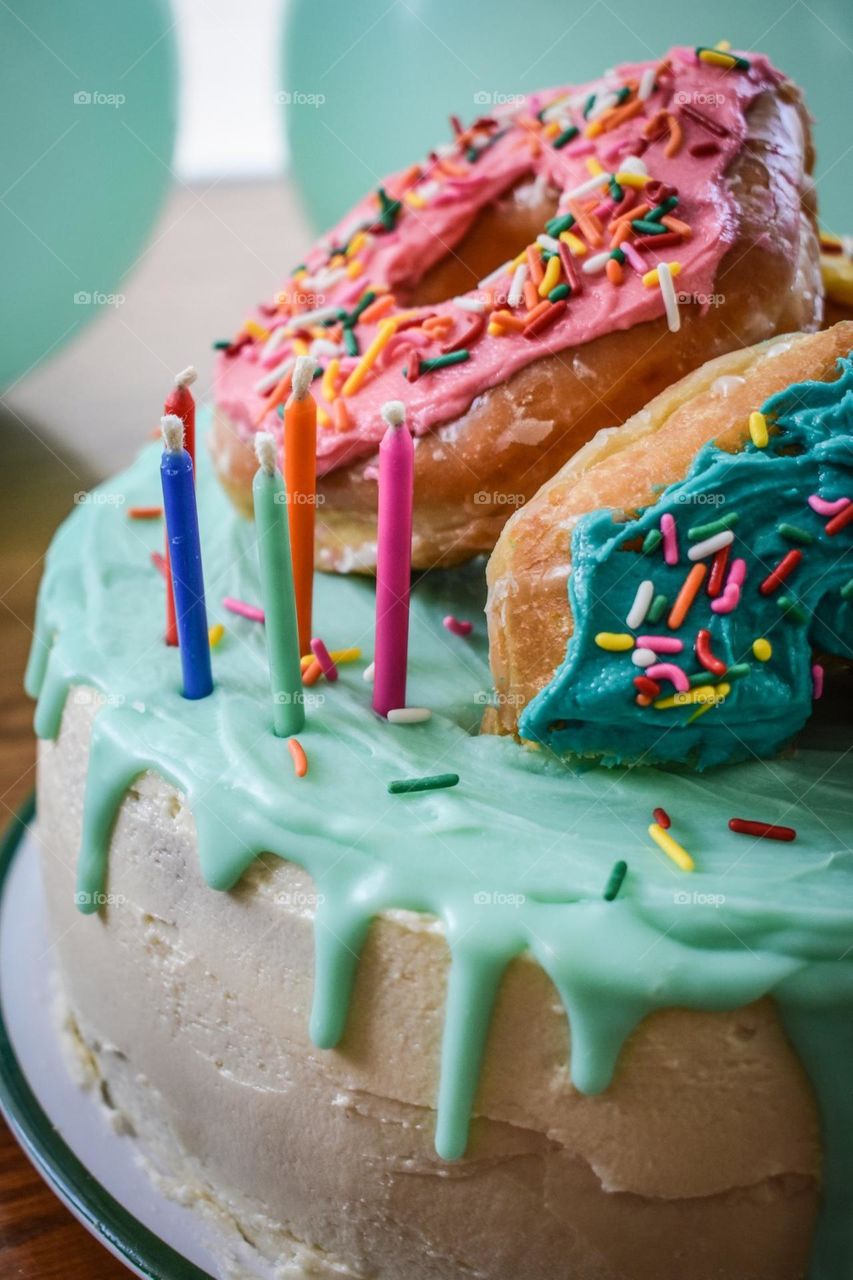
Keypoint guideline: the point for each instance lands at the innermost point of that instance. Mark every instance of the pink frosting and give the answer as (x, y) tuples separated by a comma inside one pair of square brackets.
[(423, 236)]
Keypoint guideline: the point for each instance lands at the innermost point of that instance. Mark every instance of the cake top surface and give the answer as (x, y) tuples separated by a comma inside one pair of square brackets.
[(648, 143), (515, 859)]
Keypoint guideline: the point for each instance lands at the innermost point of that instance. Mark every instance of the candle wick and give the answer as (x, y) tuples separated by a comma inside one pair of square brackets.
[(265, 451), (393, 413), (303, 376), (186, 377), (173, 432)]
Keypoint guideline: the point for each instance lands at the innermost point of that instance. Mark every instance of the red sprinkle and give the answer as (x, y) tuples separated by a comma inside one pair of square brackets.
[(159, 562), (706, 122), (545, 319), (783, 570), (708, 148), (840, 521), (647, 687), (718, 572), (662, 818), (413, 366), (705, 656), (657, 242), (762, 830), (468, 336), (145, 513), (569, 269), (458, 626)]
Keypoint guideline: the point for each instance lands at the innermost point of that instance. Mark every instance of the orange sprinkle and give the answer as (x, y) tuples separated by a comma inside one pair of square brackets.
[(438, 326), (618, 115), (587, 223), (674, 224), (614, 271), (378, 309), (655, 126), (534, 262), (312, 673), (298, 756), (686, 596), (622, 232), (341, 416), (531, 296), (536, 312), (507, 320), (639, 211), (279, 392), (676, 136), (145, 513)]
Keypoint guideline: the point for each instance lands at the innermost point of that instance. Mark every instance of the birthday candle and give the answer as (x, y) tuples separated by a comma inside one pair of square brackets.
[(393, 560), (179, 401), (277, 590), (300, 477), (184, 553)]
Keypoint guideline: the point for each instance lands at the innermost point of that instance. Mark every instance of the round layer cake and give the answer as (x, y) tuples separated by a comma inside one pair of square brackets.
[(419, 1035)]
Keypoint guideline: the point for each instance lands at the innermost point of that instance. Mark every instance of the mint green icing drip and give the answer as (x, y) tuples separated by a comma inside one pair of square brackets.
[(590, 707), (533, 836)]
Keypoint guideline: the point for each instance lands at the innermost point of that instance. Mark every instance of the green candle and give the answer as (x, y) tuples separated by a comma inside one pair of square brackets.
[(277, 590)]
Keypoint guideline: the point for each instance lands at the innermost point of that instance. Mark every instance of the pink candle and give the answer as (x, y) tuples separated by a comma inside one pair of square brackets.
[(393, 560)]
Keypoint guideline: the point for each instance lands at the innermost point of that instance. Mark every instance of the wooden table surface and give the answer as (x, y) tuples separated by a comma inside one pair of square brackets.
[(39, 1239)]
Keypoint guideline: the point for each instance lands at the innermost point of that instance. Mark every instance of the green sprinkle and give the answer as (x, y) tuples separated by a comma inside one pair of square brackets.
[(471, 155), (555, 225), (701, 531), (616, 191), (588, 105), (645, 228), (403, 786), (222, 345), (300, 266), (318, 373), (559, 292), (657, 609), (441, 362), (566, 136), (738, 671), (617, 255), (792, 609), (548, 254), (662, 209), (652, 541), (847, 590), (352, 318), (614, 882), (794, 533), (700, 678), (350, 341), (622, 94), (389, 209)]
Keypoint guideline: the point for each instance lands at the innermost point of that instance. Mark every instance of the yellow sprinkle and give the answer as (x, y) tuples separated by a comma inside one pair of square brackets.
[(574, 242), (522, 257), (340, 656), (300, 346), (651, 279), (337, 260), (762, 649), (384, 333), (702, 693), (758, 429), (671, 847), (632, 179), (717, 57), (496, 330), (614, 642), (323, 417), (551, 277), (215, 634), (594, 167), (256, 330), (707, 706), (593, 129), (358, 241), (551, 130), (416, 201), (327, 386), (354, 268)]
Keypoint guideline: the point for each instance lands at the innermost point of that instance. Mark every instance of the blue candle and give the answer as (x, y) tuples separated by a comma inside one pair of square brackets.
[(179, 505)]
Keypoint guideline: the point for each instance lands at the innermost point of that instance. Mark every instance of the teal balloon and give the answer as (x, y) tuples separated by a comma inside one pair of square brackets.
[(87, 100), (368, 87)]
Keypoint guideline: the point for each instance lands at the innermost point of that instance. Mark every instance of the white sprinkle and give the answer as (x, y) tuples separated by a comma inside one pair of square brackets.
[(324, 279), (647, 84), (317, 316), (711, 546), (367, 673), (587, 188), (173, 432), (670, 302), (186, 377), (642, 602), (323, 347), (516, 289), (303, 374), (643, 657), (268, 381), (495, 275), (604, 103), (555, 108), (273, 343), (548, 242), (592, 266), (393, 413), (725, 385), (633, 164), (265, 451), (428, 189), (471, 304), (409, 715)]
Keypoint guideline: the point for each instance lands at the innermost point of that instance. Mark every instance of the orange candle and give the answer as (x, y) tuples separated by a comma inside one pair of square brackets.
[(300, 479)]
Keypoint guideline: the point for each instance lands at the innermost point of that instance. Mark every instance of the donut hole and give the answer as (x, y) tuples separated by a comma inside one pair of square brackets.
[(500, 231)]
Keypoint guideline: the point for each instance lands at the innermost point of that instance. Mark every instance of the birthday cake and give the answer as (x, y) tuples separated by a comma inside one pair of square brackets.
[(459, 945)]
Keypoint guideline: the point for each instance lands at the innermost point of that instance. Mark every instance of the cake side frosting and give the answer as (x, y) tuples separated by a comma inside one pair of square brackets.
[(765, 533), (649, 140), (537, 838)]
